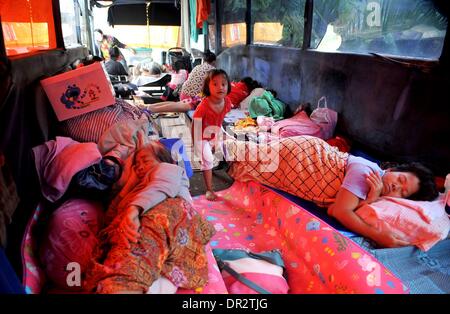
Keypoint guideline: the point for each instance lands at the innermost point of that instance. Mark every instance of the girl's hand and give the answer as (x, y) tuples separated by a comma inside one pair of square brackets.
[(389, 240), (375, 186)]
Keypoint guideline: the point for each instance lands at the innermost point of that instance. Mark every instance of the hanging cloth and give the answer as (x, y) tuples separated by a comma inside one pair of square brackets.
[(185, 28), (203, 10), (193, 19)]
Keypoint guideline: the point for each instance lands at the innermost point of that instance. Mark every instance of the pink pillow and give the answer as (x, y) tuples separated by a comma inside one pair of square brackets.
[(70, 237), (419, 223)]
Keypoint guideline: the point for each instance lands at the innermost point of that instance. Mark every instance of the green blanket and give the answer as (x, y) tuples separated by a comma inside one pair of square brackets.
[(266, 105)]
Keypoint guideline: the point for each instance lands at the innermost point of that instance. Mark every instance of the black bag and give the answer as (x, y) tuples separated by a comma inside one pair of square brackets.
[(97, 180)]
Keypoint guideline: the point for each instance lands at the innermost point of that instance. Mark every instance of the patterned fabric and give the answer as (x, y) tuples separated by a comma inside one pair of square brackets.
[(89, 127), (34, 277), (304, 166), (194, 84), (318, 259), (172, 244)]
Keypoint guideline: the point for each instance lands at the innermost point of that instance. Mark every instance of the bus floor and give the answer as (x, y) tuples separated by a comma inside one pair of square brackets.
[(221, 180)]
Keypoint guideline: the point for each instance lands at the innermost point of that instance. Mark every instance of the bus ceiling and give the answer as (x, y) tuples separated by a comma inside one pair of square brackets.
[(144, 12)]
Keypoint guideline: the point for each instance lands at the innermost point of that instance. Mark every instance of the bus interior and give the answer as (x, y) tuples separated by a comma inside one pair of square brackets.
[(382, 66)]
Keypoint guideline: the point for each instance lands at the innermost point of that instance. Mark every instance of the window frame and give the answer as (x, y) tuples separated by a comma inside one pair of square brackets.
[(58, 36), (307, 37)]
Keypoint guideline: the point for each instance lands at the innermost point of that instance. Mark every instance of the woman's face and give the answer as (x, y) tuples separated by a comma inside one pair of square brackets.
[(399, 184), (144, 163)]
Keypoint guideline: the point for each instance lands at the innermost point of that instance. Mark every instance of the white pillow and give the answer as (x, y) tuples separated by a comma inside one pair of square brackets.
[(419, 223)]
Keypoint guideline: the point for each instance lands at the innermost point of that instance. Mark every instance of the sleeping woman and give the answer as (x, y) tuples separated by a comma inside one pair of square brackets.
[(153, 230), (310, 168)]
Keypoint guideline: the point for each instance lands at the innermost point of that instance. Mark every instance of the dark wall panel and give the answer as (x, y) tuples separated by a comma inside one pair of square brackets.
[(393, 111)]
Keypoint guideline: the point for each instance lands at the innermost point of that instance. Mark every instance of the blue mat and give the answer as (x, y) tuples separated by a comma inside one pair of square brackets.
[(423, 272)]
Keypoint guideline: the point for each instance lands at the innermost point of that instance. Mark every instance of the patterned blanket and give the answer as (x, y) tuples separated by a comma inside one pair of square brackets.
[(304, 166)]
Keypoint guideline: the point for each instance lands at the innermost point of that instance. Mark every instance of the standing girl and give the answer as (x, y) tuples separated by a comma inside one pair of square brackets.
[(208, 119)]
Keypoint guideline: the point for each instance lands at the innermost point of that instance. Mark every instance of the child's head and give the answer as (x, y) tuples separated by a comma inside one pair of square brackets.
[(149, 156), (217, 83), (178, 65), (250, 83)]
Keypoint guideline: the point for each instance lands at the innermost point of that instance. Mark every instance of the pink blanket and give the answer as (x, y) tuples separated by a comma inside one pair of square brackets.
[(57, 161)]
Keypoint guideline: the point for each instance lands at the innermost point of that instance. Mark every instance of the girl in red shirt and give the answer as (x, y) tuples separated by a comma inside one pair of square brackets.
[(208, 119)]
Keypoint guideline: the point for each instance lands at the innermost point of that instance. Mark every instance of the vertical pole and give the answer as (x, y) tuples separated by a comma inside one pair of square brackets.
[(248, 22), (307, 28)]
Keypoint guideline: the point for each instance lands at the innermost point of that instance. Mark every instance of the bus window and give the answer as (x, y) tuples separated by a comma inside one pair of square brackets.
[(27, 25), (70, 22), (407, 28), (278, 22), (233, 24)]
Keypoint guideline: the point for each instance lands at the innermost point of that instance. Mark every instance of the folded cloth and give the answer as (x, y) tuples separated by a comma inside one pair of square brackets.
[(57, 161)]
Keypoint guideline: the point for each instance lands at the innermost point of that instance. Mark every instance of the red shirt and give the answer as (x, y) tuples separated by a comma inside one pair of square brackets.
[(239, 91), (210, 117)]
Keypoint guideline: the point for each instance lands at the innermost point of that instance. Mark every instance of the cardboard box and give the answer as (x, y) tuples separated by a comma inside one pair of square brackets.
[(79, 91)]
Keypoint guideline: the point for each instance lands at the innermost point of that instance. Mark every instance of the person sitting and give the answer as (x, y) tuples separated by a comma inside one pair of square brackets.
[(113, 66), (178, 76), (193, 86), (146, 73), (312, 169)]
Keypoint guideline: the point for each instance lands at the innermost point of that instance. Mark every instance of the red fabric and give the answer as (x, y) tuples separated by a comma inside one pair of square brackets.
[(210, 117), (239, 91), (439, 183), (341, 143), (203, 9)]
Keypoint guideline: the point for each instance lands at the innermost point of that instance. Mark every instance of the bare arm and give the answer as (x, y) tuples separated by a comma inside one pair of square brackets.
[(344, 211)]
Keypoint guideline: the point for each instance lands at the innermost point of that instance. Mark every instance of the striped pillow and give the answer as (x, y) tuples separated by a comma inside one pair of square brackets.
[(89, 127)]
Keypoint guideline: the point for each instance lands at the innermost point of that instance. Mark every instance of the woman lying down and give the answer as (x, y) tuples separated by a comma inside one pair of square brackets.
[(310, 168), (153, 232)]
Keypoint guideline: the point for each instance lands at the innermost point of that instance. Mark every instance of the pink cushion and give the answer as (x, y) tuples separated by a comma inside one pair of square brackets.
[(273, 284), (419, 223), (70, 237)]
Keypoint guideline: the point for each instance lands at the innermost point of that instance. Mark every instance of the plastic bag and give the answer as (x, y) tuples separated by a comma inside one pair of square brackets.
[(324, 117)]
